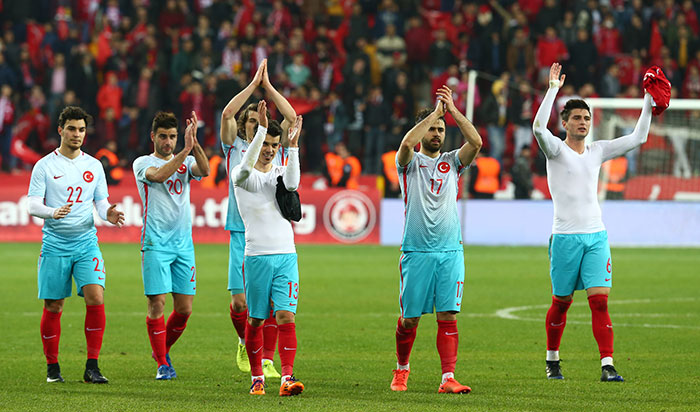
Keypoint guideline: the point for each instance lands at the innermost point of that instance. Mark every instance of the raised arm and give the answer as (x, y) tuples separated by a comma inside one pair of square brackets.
[(202, 166), (414, 136), (473, 143), (161, 174), (549, 143), (229, 128), (282, 105), (292, 174), (253, 152), (621, 145)]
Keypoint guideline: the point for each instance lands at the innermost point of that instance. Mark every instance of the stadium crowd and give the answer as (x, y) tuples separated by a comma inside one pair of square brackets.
[(356, 70)]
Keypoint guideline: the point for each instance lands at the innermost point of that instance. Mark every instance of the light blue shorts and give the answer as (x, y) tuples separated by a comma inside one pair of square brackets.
[(165, 272), (431, 281), (271, 278), (54, 273), (579, 261), (236, 253)]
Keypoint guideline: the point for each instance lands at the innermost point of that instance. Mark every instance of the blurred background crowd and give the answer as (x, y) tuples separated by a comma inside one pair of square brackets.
[(357, 71)]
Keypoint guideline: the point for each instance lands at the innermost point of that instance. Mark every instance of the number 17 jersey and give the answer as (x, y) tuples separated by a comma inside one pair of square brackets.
[(429, 188)]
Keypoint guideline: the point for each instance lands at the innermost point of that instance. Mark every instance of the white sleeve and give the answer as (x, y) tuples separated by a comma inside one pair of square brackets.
[(550, 144), (292, 173), (621, 145), (102, 206), (39, 209), (251, 156)]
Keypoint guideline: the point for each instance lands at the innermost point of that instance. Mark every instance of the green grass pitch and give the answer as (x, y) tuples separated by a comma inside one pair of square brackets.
[(347, 316)]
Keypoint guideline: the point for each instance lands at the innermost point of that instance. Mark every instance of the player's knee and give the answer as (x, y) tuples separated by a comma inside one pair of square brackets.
[(410, 323), (284, 316), (256, 323), (54, 306), (598, 303), (238, 303)]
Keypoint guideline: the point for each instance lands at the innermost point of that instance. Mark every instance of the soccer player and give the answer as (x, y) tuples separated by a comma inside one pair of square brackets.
[(64, 185), (432, 263), (235, 139), (167, 252), (271, 271), (579, 252)]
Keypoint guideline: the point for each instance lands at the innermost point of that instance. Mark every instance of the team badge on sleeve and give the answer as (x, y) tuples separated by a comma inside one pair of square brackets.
[(182, 169)]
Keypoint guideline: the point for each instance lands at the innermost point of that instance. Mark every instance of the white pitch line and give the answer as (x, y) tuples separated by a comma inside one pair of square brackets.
[(509, 313)]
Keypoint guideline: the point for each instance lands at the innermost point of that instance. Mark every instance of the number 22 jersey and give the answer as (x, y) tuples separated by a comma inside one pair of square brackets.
[(59, 181)]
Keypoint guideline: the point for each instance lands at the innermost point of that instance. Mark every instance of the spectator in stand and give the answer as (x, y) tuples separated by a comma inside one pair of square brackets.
[(520, 113), (608, 39), (684, 48), (356, 105), (376, 114), (440, 55), (520, 55), (389, 46), (7, 116), (336, 119), (567, 29), (106, 130), (341, 169), (56, 82), (549, 49), (314, 133), (522, 174), (493, 113), (635, 38), (110, 96), (610, 83), (82, 78), (185, 61), (297, 71), (417, 56), (549, 15), (582, 63)]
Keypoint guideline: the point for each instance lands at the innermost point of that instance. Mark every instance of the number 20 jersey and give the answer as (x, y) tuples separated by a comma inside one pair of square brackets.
[(429, 190), (167, 217), (60, 180)]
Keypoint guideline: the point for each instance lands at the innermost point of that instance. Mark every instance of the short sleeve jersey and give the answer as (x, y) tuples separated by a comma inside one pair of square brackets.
[(234, 155), (429, 189), (60, 180), (167, 217)]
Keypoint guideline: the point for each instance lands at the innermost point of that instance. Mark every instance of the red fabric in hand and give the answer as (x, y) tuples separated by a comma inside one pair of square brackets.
[(657, 85)]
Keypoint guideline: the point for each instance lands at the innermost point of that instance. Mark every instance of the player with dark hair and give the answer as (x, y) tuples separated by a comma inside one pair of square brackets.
[(235, 139), (579, 252), (167, 253), (432, 262), (272, 274), (63, 188)]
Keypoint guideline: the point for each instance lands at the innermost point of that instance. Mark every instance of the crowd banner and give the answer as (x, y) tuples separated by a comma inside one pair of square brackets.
[(328, 216)]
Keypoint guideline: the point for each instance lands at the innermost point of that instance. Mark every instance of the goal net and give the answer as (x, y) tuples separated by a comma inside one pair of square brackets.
[(666, 167)]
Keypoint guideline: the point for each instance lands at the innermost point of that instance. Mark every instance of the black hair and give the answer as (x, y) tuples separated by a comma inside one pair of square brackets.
[(422, 114), (571, 105), (73, 113), (243, 118), (165, 120), (274, 128)]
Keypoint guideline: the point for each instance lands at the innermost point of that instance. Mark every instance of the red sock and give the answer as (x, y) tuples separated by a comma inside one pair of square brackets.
[(404, 343), (555, 322), (156, 334), (602, 326), (447, 342), (174, 328), (50, 334), (269, 337), (254, 346), (94, 329), (239, 320), (287, 347)]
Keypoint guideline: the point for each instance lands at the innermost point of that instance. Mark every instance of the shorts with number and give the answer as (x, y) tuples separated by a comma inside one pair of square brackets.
[(54, 273), (431, 280), (579, 261), (165, 272), (236, 253), (271, 278)]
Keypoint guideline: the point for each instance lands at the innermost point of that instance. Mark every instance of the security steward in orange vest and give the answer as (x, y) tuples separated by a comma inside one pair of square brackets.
[(114, 173), (484, 177), (341, 168)]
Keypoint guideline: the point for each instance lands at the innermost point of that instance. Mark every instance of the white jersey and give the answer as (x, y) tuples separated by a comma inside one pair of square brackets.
[(573, 177), (60, 180), (267, 232)]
